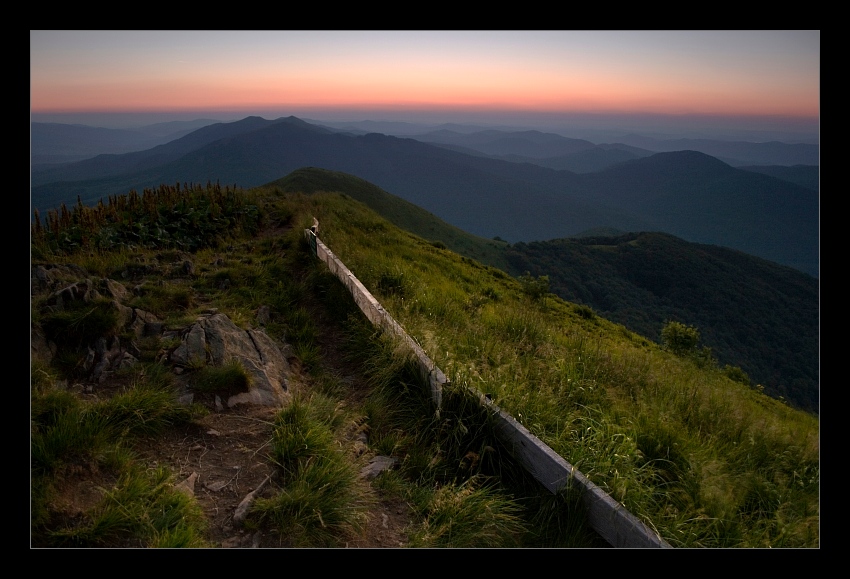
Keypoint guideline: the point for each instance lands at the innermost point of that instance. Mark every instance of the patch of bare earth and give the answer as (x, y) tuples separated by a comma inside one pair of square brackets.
[(227, 454)]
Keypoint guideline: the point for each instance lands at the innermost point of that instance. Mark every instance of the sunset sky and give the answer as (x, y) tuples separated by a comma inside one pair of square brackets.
[(396, 73)]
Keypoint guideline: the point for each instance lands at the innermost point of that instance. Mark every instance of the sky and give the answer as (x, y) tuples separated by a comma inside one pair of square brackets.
[(755, 77)]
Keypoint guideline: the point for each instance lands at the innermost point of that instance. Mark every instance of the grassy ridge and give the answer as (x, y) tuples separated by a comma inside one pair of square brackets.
[(752, 313), (462, 490), (402, 213), (705, 460)]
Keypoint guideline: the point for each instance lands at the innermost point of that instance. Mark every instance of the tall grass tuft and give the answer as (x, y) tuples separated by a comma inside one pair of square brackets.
[(320, 502), (142, 510), (470, 515), (68, 433), (226, 380)]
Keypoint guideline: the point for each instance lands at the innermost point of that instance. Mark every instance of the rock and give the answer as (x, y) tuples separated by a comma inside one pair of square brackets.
[(114, 289), (187, 486), (79, 291), (144, 323), (241, 512), (378, 465), (263, 315), (40, 347), (104, 356), (49, 277), (215, 486), (216, 340), (231, 543), (192, 349)]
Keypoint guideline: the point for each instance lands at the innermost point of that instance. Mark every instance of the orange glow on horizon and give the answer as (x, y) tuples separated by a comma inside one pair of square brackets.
[(657, 72), (596, 95)]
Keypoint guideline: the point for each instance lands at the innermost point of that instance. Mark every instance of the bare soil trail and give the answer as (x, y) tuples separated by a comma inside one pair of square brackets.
[(224, 456)]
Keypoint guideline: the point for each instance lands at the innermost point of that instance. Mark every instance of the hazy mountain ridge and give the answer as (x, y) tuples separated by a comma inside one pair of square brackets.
[(544, 149), (735, 153), (534, 144), (486, 197), (52, 143), (807, 176), (785, 215)]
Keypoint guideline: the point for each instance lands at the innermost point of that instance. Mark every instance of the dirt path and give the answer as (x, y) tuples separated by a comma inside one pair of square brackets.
[(226, 455)]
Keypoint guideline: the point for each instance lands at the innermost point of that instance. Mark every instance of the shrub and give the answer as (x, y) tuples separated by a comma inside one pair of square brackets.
[(392, 283), (583, 311), (81, 323), (536, 288), (735, 373), (679, 338)]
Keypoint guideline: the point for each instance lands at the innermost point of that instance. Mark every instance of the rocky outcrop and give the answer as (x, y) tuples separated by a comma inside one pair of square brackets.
[(215, 340), (44, 278), (212, 340), (68, 284)]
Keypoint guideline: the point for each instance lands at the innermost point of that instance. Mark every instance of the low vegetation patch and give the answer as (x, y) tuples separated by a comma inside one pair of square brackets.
[(320, 501)]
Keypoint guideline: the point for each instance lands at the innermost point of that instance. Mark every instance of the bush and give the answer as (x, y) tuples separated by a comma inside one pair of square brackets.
[(536, 288), (81, 323), (735, 373), (585, 312), (680, 338)]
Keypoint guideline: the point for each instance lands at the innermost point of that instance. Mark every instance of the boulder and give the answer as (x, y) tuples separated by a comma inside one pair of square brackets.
[(216, 340)]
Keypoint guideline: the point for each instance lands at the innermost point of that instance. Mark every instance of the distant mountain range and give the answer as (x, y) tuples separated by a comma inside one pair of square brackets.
[(685, 193), (52, 143), (735, 153), (553, 150), (544, 149)]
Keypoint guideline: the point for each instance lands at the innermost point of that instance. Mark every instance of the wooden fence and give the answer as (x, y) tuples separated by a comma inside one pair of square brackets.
[(609, 518)]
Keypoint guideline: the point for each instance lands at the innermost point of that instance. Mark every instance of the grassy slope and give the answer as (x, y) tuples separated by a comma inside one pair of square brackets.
[(458, 499), (752, 313), (705, 460), (400, 212), (642, 283)]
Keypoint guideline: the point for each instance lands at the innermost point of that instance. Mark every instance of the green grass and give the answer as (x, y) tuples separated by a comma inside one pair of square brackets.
[(142, 510), (320, 501), (470, 515), (682, 445), (226, 380), (66, 433)]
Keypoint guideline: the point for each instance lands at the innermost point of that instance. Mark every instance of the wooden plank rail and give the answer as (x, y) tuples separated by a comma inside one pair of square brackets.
[(609, 518)]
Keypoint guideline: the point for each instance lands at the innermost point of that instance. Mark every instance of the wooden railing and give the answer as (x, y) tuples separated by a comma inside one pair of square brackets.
[(609, 518)]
